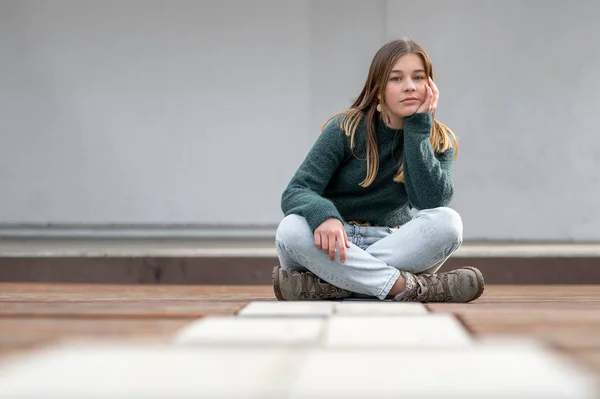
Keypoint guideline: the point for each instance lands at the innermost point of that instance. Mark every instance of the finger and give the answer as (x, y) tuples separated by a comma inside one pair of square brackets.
[(342, 247), (430, 98), (332, 247), (436, 93), (427, 102), (434, 87), (324, 242), (346, 240), (318, 240)]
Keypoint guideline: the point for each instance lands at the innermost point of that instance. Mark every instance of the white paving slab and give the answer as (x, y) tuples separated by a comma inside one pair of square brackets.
[(251, 330), (379, 308), (150, 371), (288, 308), (431, 330), (140, 372), (471, 372), (512, 340)]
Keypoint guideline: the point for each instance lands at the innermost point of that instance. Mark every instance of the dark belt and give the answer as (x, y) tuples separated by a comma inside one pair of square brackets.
[(367, 224)]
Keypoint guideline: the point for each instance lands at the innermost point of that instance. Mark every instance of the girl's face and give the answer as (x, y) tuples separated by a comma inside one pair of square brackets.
[(406, 88)]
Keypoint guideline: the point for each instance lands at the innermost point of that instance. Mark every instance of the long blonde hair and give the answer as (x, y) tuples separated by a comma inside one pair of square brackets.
[(365, 106)]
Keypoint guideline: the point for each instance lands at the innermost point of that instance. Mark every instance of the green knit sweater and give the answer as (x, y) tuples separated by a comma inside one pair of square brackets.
[(327, 183)]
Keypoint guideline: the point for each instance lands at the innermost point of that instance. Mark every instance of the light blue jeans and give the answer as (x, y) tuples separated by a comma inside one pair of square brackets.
[(377, 253)]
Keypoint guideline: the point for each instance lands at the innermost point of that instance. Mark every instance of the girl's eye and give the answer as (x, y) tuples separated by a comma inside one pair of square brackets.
[(419, 78), (395, 79)]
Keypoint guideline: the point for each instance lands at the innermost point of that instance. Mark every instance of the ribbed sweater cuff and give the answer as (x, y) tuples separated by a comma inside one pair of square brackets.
[(319, 214), (419, 123)]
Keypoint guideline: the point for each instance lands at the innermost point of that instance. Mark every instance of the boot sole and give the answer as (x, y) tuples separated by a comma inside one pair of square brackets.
[(276, 288), (479, 280)]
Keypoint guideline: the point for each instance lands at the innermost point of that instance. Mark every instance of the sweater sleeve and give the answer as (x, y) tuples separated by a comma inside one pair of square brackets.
[(304, 194), (428, 177)]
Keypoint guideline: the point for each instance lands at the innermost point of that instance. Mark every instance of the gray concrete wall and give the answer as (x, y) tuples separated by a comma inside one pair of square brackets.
[(520, 86), (156, 113)]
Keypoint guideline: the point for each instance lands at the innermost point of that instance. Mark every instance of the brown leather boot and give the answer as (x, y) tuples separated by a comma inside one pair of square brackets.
[(461, 285), (292, 285)]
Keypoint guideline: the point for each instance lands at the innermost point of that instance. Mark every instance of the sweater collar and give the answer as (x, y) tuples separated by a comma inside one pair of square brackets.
[(386, 131)]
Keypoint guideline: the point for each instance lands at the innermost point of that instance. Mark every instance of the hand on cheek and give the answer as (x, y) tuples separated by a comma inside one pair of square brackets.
[(431, 98)]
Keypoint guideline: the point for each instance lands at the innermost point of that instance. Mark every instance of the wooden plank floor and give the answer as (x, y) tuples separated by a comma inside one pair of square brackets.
[(31, 315)]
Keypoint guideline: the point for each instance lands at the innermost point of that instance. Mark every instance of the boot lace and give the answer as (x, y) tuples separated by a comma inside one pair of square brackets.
[(313, 287), (434, 288)]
